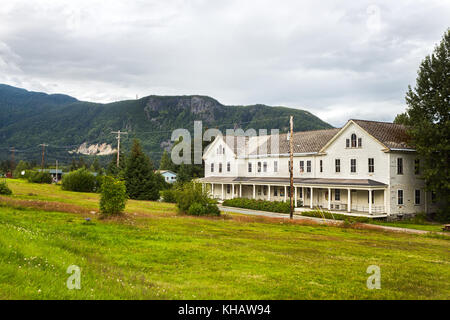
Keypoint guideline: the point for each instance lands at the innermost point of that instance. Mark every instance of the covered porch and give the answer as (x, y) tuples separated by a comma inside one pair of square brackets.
[(359, 196)]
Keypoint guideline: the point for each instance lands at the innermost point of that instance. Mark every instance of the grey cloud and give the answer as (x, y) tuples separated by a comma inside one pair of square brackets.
[(337, 60)]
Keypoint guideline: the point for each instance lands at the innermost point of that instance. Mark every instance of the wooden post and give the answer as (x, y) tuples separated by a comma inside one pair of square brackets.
[(329, 198)]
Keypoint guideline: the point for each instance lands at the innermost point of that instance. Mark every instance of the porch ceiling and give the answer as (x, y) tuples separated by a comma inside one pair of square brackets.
[(297, 181)]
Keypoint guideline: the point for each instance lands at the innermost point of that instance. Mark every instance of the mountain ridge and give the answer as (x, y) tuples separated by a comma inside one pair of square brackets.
[(30, 118)]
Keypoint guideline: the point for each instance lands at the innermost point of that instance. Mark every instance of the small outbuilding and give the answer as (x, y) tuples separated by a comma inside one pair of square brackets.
[(169, 176)]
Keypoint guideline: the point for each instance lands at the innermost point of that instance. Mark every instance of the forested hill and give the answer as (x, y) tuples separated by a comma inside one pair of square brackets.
[(28, 119)]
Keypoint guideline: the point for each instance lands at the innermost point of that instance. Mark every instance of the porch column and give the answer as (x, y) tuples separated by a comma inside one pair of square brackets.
[(349, 200), (254, 192), (268, 192), (212, 189), (370, 201), (311, 200), (223, 193), (285, 193), (303, 195), (425, 201), (232, 191), (329, 198), (295, 193), (240, 190), (385, 194)]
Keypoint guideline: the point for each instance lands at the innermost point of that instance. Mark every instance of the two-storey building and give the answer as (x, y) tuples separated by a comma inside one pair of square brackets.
[(365, 166)]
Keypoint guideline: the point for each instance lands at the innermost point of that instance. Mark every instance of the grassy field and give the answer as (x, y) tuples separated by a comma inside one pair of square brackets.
[(153, 253)]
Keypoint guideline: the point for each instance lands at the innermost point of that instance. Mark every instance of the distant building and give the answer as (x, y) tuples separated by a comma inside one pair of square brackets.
[(169, 176), (54, 173)]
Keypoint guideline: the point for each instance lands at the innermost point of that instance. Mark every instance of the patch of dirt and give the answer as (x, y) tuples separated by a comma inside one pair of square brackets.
[(44, 205)]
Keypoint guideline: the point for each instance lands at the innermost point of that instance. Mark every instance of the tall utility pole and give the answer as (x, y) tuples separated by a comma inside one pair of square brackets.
[(13, 164), (291, 165), (43, 145), (118, 144), (56, 174)]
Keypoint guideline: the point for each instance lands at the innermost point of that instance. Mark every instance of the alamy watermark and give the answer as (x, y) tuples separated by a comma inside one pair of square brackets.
[(238, 140), (74, 280), (374, 280)]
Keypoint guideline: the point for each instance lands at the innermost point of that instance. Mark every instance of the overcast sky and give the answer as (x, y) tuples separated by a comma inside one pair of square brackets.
[(337, 59)]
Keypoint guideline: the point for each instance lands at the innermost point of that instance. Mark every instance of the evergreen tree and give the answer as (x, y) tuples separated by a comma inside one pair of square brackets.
[(428, 114), (73, 165), (184, 174), (96, 165), (112, 169), (140, 180), (166, 163), (22, 166)]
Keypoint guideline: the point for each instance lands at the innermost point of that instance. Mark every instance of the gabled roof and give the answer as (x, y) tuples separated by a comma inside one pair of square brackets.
[(392, 135), (304, 142), (165, 171)]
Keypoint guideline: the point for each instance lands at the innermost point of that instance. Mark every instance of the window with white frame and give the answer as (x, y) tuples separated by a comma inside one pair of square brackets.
[(249, 167), (399, 165), (275, 166), (259, 166), (353, 138), (337, 165), (228, 166), (302, 166), (220, 167), (265, 166), (321, 165), (371, 165), (353, 165), (399, 197), (308, 166), (337, 194), (417, 196), (212, 166)]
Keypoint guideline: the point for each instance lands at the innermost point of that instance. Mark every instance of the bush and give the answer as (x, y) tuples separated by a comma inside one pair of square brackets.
[(169, 195), (190, 197), (4, 189), (263, 205), (39, 177), (113, 196), (80, 180)]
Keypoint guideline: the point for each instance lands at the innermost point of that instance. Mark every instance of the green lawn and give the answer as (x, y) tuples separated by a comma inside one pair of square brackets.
[(156, 254)]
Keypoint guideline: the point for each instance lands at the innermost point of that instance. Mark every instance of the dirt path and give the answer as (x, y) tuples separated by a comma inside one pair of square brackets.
[(323, 221)]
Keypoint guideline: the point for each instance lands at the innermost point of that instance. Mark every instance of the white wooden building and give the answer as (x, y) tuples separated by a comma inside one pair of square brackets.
[(364, 167)]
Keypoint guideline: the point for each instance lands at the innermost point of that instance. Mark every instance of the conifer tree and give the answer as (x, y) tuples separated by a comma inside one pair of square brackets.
[(428, 117), (140, 180)]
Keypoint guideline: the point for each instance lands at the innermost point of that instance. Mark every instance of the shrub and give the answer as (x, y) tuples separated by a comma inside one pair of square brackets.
[(197, 209), (169, 195), (263, 205), (39, 177), (113, 196), (80, 180), (190, 197), (4, 189)]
